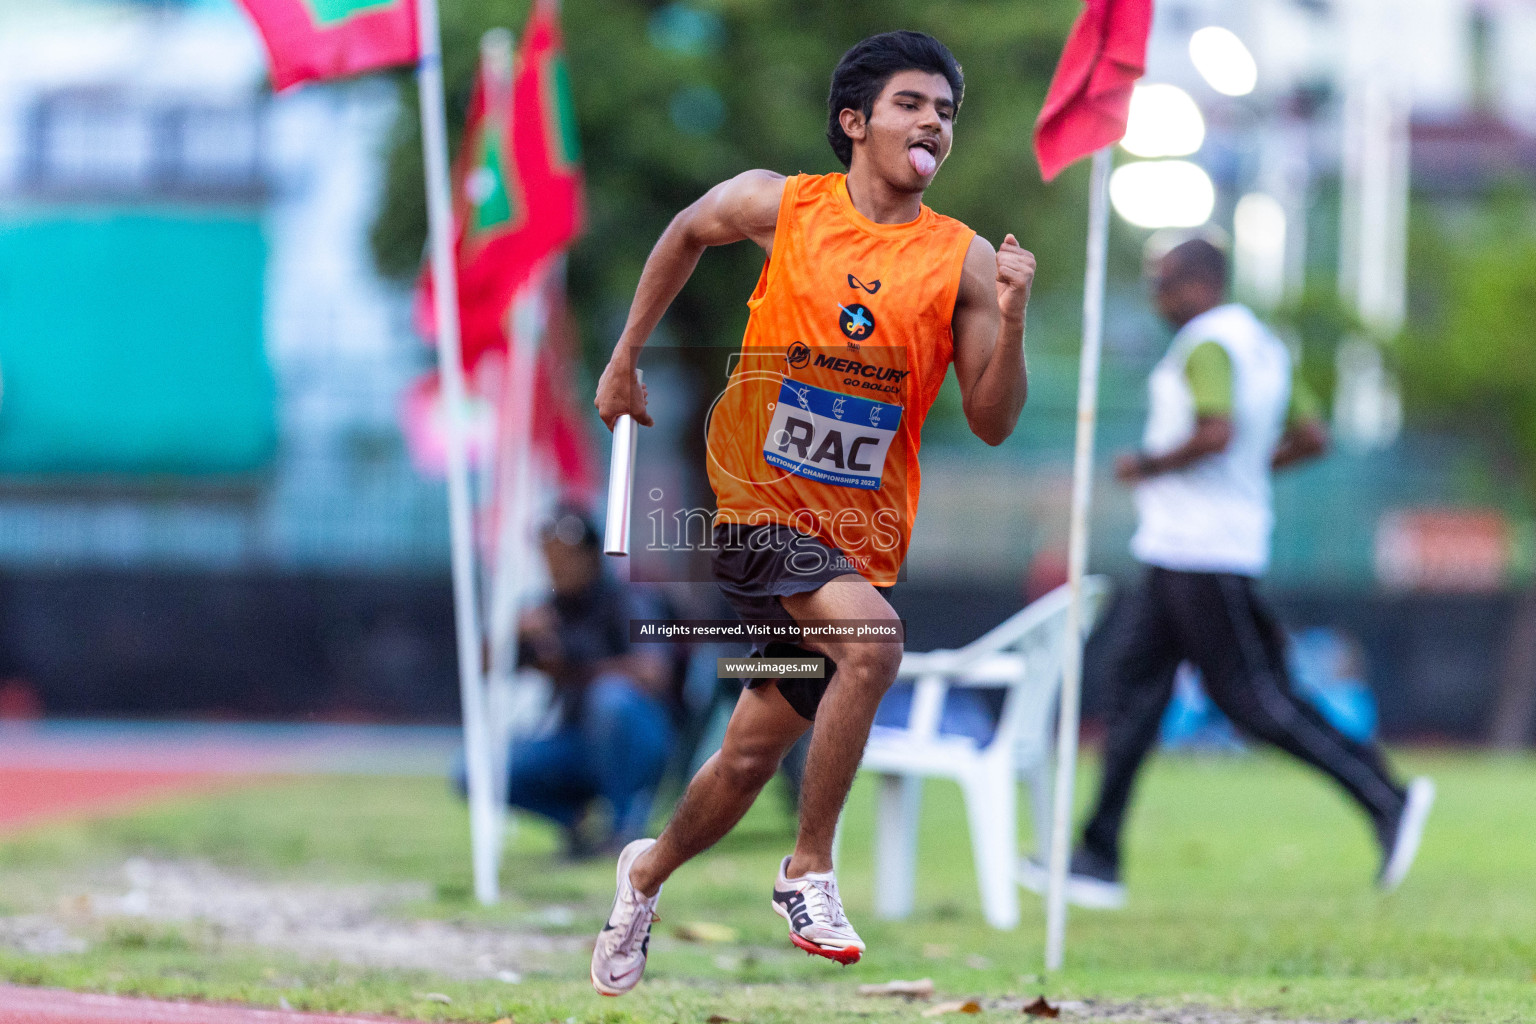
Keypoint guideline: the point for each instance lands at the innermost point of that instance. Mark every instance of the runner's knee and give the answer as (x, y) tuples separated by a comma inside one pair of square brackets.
[(747, 768), (873, 665)]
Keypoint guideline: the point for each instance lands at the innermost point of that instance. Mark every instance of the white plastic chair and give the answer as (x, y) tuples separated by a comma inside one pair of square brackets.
[(1024, 655)]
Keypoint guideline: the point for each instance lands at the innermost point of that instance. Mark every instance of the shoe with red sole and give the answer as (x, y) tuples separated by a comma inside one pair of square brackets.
[(814, 911)]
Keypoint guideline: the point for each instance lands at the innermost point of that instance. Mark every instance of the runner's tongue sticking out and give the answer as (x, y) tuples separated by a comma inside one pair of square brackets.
[(923, 161)]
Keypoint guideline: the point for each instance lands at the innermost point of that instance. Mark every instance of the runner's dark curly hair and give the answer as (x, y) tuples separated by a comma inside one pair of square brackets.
[(868, 66), (1197, 259)]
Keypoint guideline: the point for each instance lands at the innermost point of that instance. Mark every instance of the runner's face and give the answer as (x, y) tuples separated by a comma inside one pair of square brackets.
[(914, 112), (1179, 296), (571, 569)]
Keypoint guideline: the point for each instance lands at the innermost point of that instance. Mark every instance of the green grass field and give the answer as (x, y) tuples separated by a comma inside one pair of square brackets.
[(1250, 892)]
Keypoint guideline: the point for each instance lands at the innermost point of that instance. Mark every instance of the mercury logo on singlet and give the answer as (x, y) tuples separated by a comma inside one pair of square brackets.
[(859, 374), (830, 437)]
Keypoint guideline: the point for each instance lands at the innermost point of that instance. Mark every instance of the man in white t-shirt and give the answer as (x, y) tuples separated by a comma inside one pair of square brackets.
[(1225, 413)]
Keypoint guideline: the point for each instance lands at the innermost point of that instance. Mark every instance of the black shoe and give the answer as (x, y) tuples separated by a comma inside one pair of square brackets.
[(1400, 839), (1093, 881)]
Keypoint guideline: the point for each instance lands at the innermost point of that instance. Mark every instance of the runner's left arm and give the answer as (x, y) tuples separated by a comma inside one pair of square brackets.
[(989, 336), (1305, 436), (1208, 371)]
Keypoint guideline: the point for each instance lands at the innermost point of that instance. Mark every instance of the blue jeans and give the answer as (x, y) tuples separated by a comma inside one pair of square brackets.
[(616, 749)]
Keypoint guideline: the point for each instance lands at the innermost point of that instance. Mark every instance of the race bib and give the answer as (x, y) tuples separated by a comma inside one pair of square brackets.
[(829, 437)]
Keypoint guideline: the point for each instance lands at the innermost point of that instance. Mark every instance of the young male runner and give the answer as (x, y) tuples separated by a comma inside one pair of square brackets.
[(1226, 412), (865, 299)]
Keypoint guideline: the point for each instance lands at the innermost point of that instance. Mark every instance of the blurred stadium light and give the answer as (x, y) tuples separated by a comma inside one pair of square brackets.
[(1223, 61), (1164, 121), (1162, 194)]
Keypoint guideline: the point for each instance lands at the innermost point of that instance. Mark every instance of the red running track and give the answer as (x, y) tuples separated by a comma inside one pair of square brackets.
[(54, 1006), (31, 796)]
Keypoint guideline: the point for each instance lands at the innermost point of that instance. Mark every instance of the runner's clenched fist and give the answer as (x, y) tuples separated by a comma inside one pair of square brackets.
[(1015, 275)]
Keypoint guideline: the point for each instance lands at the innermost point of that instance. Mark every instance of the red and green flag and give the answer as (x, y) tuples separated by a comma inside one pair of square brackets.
[(316, 39), (548, 148), (490, 207), (517, 185)]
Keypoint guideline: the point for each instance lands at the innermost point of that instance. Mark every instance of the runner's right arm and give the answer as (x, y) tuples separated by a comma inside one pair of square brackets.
[(743, 207)]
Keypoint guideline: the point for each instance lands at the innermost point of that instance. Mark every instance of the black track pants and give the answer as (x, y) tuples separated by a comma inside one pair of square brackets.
[(1217, 622)]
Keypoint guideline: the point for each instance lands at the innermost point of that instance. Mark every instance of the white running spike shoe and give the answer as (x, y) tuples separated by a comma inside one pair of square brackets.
[(618, 959), (1406, 833), (814, 911)]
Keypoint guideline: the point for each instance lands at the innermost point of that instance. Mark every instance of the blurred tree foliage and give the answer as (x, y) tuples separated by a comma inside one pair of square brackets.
[(675, 97), (1319, 319), (1467, 358)]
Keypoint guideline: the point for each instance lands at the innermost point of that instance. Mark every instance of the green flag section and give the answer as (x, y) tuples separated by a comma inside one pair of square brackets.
[(318, 39), (329, 12), (132, 345), (559, 113), (491, 188), (545, 134)]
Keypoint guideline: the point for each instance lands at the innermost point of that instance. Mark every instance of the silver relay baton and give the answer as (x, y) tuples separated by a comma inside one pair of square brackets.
[(621, 481)]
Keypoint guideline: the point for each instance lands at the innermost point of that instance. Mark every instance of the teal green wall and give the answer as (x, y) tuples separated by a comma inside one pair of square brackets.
[(131, 343)]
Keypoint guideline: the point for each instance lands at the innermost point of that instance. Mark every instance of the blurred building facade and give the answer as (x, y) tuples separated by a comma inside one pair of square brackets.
[(206, 505), (201, 470), (269, 356)]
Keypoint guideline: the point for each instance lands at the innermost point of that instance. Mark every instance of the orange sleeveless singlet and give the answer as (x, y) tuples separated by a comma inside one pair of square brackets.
[(846, 347)]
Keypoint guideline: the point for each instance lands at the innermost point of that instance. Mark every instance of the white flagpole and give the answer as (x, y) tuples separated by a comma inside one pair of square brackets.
[(515, 498), (1077, 558), (526, 324), (485, 836), (496, 58)]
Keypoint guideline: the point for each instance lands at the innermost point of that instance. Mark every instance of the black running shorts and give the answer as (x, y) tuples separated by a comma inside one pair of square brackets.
[(754, 566)]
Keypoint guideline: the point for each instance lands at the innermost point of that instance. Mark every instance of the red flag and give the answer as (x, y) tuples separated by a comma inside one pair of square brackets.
[(545, 136), (489, 206), (1090, 93), (517, 185), (312, 39), (560, 426), (561, 442)]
